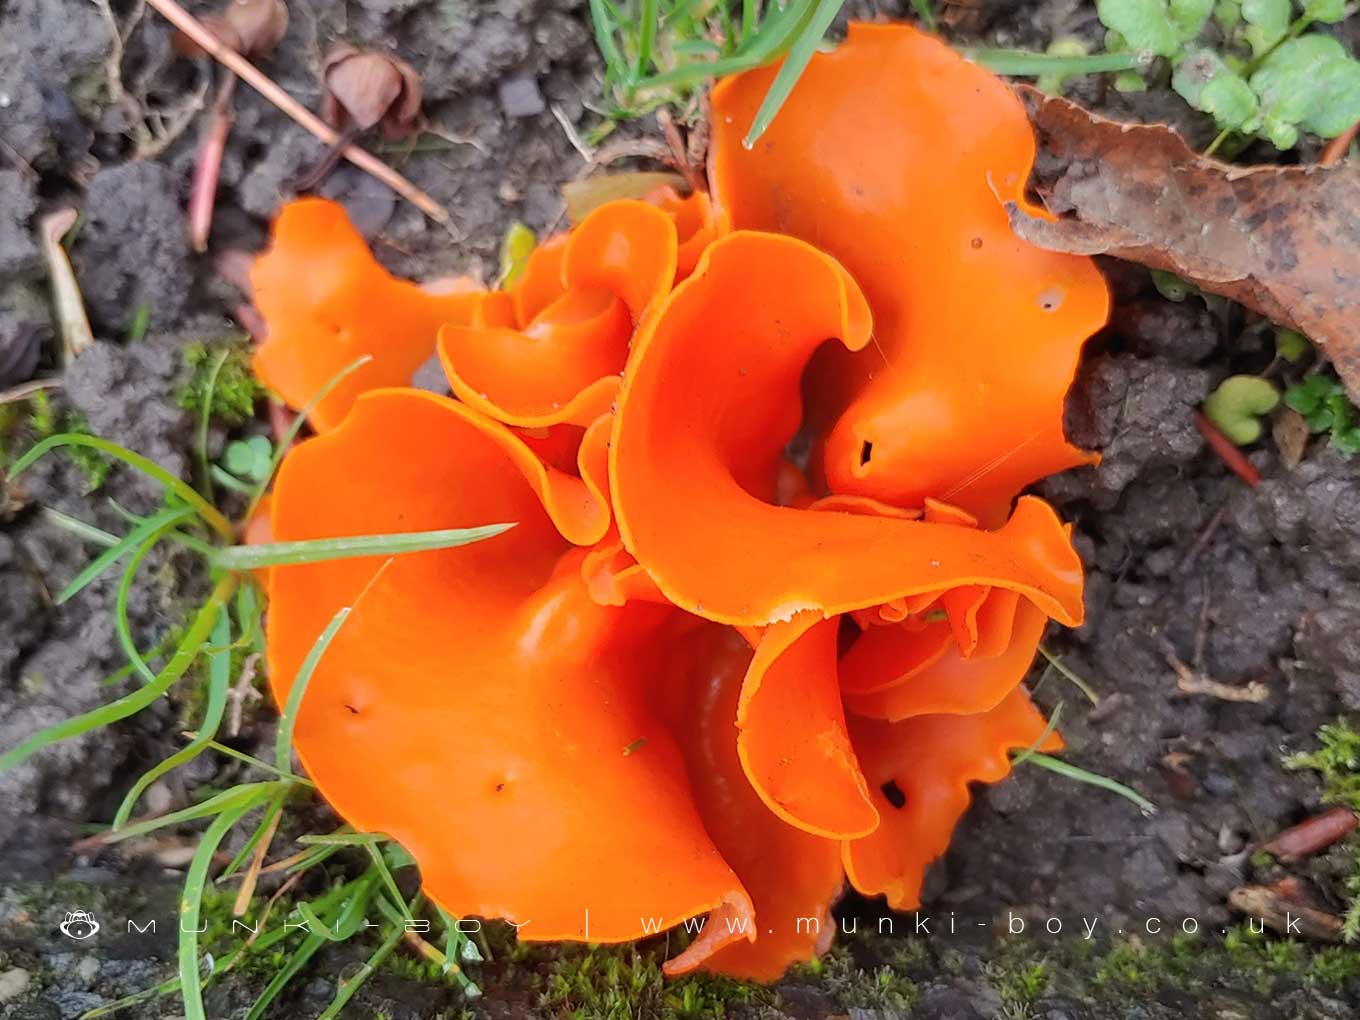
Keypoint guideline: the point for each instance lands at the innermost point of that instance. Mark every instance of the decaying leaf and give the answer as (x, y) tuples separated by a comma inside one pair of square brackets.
[(1283, 240)]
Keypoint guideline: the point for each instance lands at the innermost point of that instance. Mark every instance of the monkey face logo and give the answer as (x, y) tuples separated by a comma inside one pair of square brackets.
[(79, 925)]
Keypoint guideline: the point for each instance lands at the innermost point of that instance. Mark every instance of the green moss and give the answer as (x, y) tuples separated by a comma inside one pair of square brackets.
[(1337, 762), (235, 389), (622, 982), (46, 420), (888, 988), (1128, 968)]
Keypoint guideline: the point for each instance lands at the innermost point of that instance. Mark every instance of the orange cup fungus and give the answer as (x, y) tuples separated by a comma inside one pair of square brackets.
[(704, 677)]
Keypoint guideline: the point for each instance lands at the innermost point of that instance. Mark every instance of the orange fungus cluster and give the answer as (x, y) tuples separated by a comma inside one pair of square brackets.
[(770, 593)]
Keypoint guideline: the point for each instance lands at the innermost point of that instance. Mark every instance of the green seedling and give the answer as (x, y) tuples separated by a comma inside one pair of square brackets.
[(1322, 401), (1238, 404), (1265, 75), (516, 247)]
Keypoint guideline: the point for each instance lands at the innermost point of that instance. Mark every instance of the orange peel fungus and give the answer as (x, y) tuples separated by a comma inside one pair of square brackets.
[(706, 678)]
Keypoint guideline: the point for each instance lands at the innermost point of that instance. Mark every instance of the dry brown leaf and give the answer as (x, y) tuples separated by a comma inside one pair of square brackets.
[(1291, 434), (1283, 240), (1285, 916)]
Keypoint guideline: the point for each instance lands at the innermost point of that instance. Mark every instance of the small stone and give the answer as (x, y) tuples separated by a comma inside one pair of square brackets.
[(520, 97), (87, 970), (13, 983)]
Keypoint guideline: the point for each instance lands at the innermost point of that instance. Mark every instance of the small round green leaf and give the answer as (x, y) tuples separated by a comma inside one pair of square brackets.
[(1237, 405)]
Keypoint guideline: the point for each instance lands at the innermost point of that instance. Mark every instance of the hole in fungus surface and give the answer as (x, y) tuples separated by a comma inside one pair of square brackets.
[(976, 243), (866, 451), (1051, 300), (894, 793), (352, 709)]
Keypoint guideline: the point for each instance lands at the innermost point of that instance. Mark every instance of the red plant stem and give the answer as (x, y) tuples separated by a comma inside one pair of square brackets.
[(1312, 834), (1337, 148), (218, 50), (1227, 451), (208, 166)]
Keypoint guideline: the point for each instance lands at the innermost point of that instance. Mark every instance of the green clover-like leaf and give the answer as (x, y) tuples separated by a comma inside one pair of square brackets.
[(1206, 82), (1267, 22), (1309, 83), (1237, 405), (1291, 345), (249, 458), (1159, 27), (1330, 11)]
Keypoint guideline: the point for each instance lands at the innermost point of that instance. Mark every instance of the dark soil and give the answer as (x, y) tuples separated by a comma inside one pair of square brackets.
[(1184, 559)]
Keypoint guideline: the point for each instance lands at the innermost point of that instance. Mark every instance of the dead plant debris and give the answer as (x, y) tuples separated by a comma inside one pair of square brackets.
[(1282, 240)]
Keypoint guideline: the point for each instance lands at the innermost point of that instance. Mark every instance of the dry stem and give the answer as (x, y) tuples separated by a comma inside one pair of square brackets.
[(261, 82)]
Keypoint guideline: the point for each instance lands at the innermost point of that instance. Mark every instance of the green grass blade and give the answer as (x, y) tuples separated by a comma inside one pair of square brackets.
[(1075, 680), (1068, 771), (647, 19), (145, 695), (283, 746), (89, 532), (154, 992), (214, 805), (389, 880), (925, 11), (191, 900), (247, 759), (1024, 64), (286, 441), (350, 913), (205, 419), (604, 36), (773, 37), (274, 554), (348, 986), (122, 625), (348, 923), (219, 681), (228, 480), (271, 811), (121, 548), (185, 492), (1033, 748), (792, 69)]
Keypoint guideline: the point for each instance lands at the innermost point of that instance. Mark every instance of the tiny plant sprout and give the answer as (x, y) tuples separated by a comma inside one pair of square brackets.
[(1290, 346), (1237, 405)]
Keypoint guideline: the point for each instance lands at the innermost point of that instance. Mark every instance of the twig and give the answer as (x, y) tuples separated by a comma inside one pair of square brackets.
[(76, 335), (243, 689), (1205, 537), (1312, 834), (1227, 451), (1190, 682), (28, 389), (262, 84), (1284, 916), (1337, 148), (573, 136), (208, 168), (252, 876)]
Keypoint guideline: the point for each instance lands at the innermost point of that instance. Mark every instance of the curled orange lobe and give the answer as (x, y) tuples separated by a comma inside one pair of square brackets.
[(919, 770), (709, 402), (960, 396), (485, 679), (327, 302), (553, 352)]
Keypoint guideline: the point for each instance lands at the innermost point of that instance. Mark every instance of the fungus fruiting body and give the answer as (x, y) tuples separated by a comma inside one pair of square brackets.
[(703, 675)]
